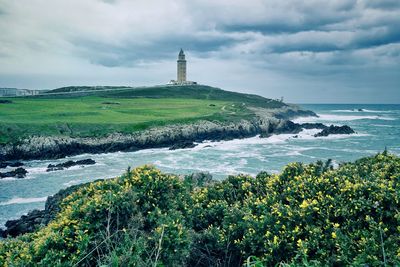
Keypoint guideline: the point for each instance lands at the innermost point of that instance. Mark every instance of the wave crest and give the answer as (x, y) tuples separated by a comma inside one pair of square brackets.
[(22, 200)]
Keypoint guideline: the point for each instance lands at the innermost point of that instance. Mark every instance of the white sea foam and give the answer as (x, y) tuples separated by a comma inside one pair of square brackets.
[(9, 179), (72, 182), (240, 144), (382, 125), (36, 170), (363, 110), (21, 200), (334, 117)]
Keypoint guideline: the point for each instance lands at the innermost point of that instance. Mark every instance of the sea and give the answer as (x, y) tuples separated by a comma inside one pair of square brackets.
[(377, 127)]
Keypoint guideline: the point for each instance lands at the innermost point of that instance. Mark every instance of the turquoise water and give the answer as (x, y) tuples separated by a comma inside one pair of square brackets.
[(377, 127)]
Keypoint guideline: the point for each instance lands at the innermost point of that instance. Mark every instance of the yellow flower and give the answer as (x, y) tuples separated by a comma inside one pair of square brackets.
[(304, 204), (299, 243), (334, 235)]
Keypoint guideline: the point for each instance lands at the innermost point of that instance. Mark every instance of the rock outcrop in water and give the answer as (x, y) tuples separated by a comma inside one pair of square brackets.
[(17, 173), (182, 145), (294, 128), (335, 130), (69, 164)]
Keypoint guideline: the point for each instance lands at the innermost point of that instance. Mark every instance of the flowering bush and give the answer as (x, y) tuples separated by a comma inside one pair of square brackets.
[(307, 215)]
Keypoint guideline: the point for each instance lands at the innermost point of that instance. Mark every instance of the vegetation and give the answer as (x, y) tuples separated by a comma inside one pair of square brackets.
[(96, 116), (310, 215), (165, 91), (99, 111)]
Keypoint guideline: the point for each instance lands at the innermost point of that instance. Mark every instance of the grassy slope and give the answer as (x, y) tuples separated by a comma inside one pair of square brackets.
[(187, 92), (99, 112)]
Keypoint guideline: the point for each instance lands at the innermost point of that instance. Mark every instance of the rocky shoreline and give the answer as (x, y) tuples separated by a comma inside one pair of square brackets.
[(264, 122)]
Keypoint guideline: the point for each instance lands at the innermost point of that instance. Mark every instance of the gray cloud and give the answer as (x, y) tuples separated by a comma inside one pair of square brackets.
[(278, 38), (382, 4)]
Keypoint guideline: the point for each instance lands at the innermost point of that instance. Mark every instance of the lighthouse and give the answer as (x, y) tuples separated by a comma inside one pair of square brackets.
[(181, 67), (181, 71)]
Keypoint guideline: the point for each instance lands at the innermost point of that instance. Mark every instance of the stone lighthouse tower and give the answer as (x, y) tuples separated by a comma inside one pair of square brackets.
[(181, 67)]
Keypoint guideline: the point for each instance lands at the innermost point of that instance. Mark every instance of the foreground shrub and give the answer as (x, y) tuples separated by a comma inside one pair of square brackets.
[(307, 215)]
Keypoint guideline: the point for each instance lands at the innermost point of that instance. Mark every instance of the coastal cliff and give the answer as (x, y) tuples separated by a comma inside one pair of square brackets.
[(265, 122)]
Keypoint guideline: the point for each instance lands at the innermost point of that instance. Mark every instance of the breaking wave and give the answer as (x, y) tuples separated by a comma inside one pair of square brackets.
[(21, 200), (334, 117)]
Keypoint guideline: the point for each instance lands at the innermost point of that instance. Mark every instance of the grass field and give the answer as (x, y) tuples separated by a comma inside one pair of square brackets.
[(186, 92), (95, 112), (98, 116)]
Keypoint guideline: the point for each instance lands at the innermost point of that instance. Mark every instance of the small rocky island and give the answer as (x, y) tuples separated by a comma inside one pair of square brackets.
[(17, 173), (69, 164)]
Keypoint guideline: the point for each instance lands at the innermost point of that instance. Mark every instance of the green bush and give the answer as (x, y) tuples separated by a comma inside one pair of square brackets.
[(308, 215)]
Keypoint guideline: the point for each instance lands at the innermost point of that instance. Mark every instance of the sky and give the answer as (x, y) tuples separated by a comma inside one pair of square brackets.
[(314, 51)]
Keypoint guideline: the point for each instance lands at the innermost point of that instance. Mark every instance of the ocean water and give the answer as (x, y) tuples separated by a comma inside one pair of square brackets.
[(377, 127)]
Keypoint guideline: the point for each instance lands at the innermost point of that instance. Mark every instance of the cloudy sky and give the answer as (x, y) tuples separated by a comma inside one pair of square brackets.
[(314, 51)]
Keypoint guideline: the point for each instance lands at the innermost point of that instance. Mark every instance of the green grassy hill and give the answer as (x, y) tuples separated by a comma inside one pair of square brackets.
[(165, 91), (98, 111)]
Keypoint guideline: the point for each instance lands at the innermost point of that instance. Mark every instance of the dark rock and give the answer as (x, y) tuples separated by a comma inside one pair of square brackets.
[(11, 164), (288, 127), (265, 135), (15, 164), (17, 173), (295, 128), (37, 218), (335, 130), (360, 109), (27, 223), (68, 164), (181, 145)]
